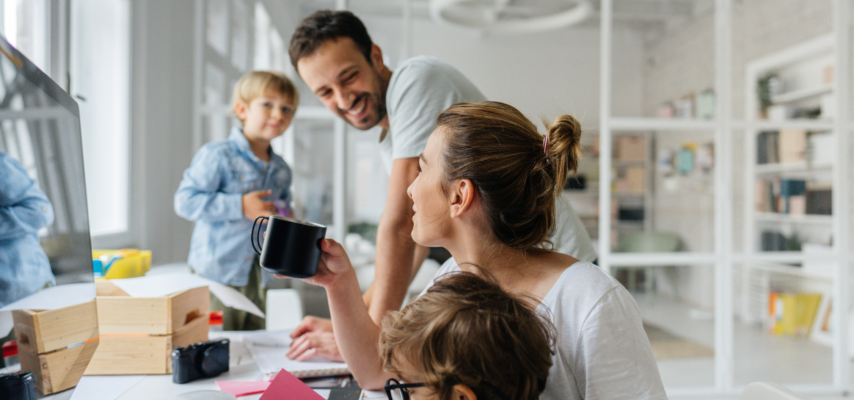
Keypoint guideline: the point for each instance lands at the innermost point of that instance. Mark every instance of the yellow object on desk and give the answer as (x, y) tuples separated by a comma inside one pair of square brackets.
[(131, 264)]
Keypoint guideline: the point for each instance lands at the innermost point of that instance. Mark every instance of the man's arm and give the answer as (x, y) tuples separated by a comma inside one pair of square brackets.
[(421, 254), (395, 248)]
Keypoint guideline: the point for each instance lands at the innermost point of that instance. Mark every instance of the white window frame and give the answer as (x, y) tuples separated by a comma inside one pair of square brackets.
[(57, 47)]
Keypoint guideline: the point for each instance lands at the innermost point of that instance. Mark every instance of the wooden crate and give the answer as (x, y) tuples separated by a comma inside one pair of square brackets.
[(50, 330), (44, 338), (119, 313), (58, 370), (137, 354)]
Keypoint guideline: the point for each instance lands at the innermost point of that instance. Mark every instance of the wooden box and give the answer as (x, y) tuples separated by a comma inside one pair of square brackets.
[(143, 354), (139, 333), (119, 313), (56, 345)]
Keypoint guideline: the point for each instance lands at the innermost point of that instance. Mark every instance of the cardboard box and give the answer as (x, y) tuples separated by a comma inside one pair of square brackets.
[(630, 148), (56, 345), (139, 333)]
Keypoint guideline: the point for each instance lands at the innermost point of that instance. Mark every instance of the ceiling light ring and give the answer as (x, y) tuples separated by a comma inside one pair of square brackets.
[(582, 10)]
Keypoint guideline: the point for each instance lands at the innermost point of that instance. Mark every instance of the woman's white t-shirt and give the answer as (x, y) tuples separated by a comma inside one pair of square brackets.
[(602, 350)]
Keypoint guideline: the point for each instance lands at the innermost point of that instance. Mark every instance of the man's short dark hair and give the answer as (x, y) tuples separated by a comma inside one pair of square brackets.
[(328, 25)]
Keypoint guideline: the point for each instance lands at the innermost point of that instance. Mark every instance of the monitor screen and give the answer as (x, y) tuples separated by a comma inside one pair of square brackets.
[(44, 222)]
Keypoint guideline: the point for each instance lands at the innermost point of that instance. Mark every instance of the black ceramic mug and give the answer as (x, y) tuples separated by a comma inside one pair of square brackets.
[(291, 247)]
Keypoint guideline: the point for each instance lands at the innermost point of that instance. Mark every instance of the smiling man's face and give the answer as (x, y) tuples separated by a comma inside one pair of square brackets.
[(347, 84)]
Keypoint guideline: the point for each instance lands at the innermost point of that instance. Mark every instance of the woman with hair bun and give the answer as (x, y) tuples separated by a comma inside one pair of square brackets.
[(487, 191)]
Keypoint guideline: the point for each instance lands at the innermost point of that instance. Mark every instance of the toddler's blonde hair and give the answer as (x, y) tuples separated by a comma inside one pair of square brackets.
[(257, 83)]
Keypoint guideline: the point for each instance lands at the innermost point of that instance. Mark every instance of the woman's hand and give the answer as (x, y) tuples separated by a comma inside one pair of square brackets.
[(334, 263)]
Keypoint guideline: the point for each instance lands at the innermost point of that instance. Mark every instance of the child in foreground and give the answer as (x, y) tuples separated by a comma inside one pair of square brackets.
[(232, 182), (466, 339)]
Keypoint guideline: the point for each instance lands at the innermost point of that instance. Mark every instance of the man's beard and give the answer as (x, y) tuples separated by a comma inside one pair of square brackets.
[(376, 104)]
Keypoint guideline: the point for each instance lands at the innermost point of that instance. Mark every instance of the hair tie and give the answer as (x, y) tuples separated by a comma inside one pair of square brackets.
[(546, 144)]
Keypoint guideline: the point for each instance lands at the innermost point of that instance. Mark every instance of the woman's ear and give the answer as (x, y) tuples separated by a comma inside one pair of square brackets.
[(462, 197), (463, 392)]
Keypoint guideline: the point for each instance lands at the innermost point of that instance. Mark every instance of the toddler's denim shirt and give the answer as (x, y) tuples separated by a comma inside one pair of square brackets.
[(211, 194)]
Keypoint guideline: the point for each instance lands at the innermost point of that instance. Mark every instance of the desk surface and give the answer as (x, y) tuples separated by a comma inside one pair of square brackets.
[(241, 368)]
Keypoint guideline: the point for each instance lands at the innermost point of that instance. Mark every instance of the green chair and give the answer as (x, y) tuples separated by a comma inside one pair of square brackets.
[(648, 242)]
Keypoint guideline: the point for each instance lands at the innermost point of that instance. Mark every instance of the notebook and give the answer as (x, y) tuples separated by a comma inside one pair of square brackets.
[(268, 348)]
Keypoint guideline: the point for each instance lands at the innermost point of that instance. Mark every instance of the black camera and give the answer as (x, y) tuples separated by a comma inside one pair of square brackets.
[(199, 360), (18, 386)]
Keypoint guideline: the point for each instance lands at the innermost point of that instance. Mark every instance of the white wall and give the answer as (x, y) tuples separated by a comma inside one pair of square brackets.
[(161, 111), (543, 75)]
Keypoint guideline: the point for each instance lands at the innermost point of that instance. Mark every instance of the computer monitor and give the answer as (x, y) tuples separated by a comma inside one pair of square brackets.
[(40, 134)]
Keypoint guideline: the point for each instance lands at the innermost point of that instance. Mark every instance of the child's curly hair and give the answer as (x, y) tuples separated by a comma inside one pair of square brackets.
[(467, 330)]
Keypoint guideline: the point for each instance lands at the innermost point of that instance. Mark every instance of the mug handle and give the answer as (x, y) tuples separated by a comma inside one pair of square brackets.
[(256, 238)]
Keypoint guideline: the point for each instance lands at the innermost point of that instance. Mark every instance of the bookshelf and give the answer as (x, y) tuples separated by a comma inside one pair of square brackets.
[(631, 185), (789, 172)]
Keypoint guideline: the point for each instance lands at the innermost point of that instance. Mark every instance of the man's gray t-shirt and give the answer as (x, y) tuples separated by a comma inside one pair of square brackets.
[(419, 90)]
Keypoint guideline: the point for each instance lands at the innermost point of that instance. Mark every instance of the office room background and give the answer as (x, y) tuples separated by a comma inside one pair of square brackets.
[(716, 179)]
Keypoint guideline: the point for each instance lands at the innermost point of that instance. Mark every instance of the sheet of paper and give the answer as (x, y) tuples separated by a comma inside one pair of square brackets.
[(47, 299), (287, 386), (267, 338), (165, 284), (104, 387), (55, 297), (6, 323), (240, 388)]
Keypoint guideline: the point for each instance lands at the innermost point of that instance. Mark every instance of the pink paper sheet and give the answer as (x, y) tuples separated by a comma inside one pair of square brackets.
[(286, 386), (241, 388)]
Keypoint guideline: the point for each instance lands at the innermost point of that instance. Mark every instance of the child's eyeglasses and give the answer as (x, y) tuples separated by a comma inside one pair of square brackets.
[(400, 391)]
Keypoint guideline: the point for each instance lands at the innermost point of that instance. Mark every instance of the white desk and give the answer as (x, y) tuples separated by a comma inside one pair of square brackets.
[(241, 368)]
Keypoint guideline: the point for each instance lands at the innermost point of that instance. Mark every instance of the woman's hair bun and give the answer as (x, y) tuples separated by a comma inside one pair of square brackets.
[(564, 146)]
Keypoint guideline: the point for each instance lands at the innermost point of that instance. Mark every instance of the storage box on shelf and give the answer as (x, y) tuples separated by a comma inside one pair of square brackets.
[(139, 333), (788, 188), (56, 345)]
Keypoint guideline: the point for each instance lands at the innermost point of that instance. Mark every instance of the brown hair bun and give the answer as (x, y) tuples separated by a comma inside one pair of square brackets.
[(564, 146)]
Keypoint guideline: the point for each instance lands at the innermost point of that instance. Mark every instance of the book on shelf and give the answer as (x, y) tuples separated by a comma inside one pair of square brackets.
[(793, 197), (767, 147), (819, 199), (822, 148), (793, 145), (792, 314)]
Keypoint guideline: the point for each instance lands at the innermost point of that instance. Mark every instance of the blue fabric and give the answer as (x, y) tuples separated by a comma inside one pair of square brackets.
[(24, 209), (211, 195)]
